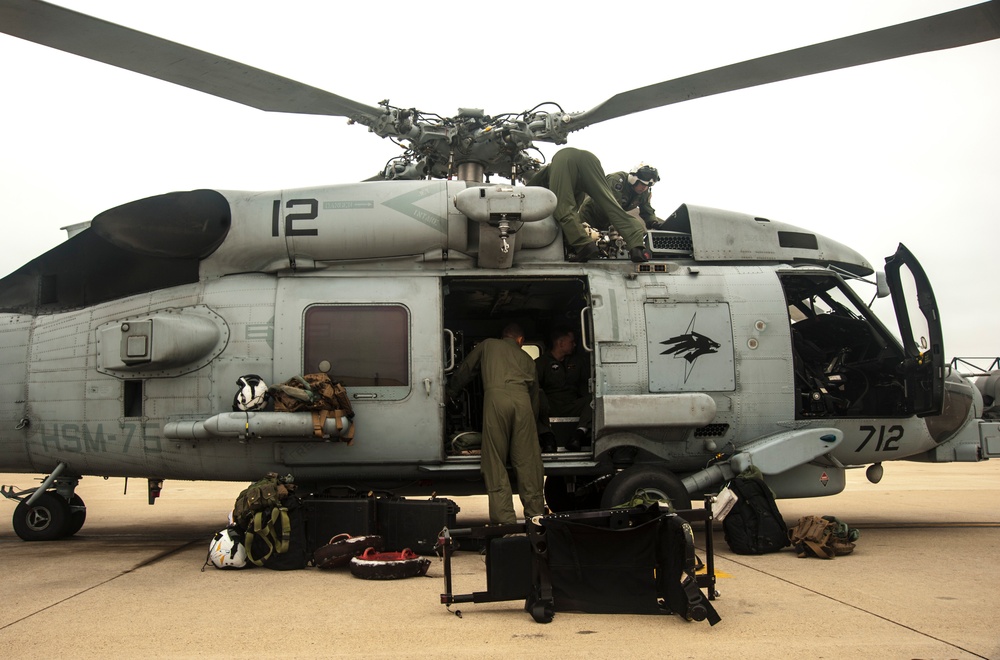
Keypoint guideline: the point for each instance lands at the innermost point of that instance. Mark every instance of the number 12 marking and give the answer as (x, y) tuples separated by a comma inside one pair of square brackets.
[(290, 229)]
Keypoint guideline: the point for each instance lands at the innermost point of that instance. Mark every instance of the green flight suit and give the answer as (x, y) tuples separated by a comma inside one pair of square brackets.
[(572, 174), (628, 199), (510, 404), (564, 385)]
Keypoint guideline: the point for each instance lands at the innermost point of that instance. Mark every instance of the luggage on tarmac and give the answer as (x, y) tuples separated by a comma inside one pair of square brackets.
[(373, 565), (328, 515), (412, 523), (639, 560), (754, 525), (631, 561), (342, 548), (271, 520), (824, 537)]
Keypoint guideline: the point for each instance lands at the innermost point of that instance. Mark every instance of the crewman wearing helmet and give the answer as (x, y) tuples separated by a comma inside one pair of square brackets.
[(633, 190), (572, 175)]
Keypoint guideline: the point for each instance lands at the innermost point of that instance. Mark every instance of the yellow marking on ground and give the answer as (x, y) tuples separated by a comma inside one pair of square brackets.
[(718, 573)]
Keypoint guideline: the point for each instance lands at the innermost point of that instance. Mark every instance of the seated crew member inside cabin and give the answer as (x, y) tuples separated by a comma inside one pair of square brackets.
[(563, 381), (633, 190), (572, 174)]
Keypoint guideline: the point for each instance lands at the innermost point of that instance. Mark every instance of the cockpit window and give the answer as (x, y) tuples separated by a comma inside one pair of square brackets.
[(845, 359), (824, 297)]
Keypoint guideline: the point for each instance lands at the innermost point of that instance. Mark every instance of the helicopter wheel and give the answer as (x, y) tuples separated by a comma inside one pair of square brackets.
[(559, 499), (658, 481), (46, 520), (77, 516)]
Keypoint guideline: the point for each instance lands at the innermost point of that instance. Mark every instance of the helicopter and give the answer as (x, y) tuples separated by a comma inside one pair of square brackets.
[(741, 342)]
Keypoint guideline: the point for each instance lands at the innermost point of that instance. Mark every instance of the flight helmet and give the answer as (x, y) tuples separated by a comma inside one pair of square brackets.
[(227, 550), (643, 173), (252, 394)]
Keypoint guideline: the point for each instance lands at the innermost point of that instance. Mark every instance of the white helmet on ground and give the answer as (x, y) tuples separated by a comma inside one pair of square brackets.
[(227, 550)]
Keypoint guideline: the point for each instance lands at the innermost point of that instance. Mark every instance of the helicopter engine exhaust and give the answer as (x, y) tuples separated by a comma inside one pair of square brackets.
[(181, 225)]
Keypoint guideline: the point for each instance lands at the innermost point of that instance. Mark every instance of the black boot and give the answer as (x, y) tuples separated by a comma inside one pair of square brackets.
[(640, 254), (578, 439), (548, 443), (585, 253)]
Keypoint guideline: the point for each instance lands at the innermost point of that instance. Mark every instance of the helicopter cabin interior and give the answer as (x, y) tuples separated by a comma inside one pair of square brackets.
[(479, 308)]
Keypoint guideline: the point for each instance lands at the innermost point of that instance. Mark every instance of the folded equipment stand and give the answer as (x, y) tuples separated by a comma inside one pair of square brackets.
[(639, 560)]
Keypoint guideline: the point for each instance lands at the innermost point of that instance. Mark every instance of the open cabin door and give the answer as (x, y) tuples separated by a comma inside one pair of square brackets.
[(920, 332)]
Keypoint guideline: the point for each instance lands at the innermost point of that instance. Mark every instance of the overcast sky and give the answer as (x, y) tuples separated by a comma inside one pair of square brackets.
[(903, 151)]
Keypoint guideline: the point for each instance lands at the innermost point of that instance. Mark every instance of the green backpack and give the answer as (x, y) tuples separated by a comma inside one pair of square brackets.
[(260, 511)]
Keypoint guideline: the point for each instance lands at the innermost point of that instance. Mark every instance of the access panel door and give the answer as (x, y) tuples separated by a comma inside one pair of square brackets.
[(380, 337)]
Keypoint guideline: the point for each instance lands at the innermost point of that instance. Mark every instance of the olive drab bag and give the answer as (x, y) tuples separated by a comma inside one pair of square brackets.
[(261, 512), (318, 394), (824, 537)]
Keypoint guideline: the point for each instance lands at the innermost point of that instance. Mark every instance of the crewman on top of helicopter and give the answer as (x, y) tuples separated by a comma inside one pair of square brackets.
[(633, 190), (572, 174)]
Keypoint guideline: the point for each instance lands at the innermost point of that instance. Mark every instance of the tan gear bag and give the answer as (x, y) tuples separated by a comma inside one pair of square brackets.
[(811, 537)]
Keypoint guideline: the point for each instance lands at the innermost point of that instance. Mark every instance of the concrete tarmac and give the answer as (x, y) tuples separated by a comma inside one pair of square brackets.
[(923, 583)]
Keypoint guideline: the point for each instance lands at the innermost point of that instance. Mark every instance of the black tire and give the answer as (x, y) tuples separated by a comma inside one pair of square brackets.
[(46, 520), (556, 496), (542, 613), (658, 480), (77, 515), (558, 499)]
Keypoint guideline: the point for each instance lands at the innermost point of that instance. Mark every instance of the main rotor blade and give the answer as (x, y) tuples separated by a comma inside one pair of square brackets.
[(960, 27), (96, 39)]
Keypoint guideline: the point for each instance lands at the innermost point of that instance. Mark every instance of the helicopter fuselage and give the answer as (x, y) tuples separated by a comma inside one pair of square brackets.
[(740, 330)]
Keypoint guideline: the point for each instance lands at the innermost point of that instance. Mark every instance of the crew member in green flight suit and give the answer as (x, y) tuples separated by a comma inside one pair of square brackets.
[(634, 190), (563, 380), (572, 174), (510, 408)]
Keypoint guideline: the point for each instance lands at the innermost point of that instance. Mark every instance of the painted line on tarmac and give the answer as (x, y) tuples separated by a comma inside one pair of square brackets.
[(856, 607), (152, 560)]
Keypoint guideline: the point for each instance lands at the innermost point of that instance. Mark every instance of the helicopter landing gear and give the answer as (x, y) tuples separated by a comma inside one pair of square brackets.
[(45, 520), (77, 515), (574, 494), (657, 481), (50, 512)]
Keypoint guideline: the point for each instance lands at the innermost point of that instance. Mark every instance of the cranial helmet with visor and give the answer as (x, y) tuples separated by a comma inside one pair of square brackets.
[(643, 173)]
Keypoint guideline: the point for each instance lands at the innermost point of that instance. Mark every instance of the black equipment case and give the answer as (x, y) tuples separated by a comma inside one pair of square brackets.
[(402, 523), (639, 560), (327, 517), (413, 524)]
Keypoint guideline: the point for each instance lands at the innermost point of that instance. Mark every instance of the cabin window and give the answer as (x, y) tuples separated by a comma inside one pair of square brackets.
[(359, 345)]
